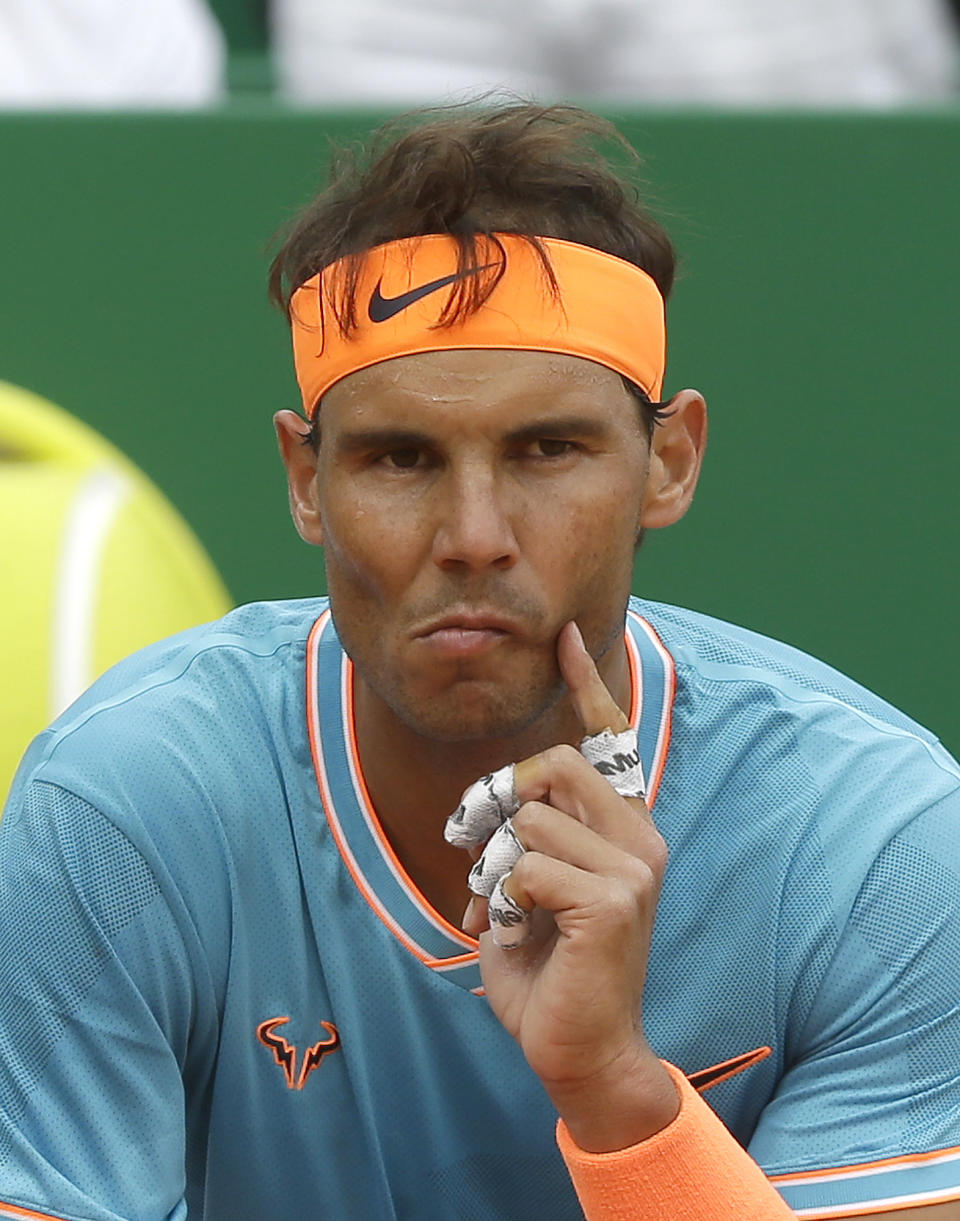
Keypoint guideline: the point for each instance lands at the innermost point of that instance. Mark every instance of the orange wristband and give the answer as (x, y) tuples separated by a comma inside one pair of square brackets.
[(692, 1170)]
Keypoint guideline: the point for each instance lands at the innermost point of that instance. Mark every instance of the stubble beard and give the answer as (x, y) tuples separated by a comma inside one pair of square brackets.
[(473, 710), (470, 709), (470, 701)]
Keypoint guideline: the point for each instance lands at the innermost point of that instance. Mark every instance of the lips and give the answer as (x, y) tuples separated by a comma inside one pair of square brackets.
[(465, 634), (469, 621)]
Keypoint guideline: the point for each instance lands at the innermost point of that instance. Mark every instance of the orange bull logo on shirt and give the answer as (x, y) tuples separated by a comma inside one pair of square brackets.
[(285, 1053)]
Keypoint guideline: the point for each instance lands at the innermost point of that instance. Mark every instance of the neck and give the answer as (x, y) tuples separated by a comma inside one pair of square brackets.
[(415, 782)]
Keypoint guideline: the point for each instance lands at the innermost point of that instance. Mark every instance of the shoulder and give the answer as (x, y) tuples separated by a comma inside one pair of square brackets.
[(813, 874), (241, 640), (794, 740), (195, 709), (815, 839), (720, 665), (181, 763), (714, 651)]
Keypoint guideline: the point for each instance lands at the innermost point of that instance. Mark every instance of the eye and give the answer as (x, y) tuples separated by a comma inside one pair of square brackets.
[(550, 447), (403, 459)]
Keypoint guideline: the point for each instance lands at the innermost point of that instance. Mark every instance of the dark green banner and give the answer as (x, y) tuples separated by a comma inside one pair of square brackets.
[(816, 310)]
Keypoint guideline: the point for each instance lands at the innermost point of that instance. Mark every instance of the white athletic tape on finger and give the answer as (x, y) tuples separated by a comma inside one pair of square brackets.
[(509, 922), (616, 756), (502, 852), (485, 806)]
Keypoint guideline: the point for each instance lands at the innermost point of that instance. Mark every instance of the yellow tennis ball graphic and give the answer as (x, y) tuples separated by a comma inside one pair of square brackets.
[(96, 563)]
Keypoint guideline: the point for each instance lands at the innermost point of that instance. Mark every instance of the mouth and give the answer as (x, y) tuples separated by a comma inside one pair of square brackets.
[(467, 633)]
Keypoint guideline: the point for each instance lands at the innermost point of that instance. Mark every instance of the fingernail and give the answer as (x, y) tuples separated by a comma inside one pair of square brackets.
[(578, 635), (468, 913)]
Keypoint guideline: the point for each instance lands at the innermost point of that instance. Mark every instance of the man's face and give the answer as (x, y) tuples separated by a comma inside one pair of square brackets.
[(472, 503)]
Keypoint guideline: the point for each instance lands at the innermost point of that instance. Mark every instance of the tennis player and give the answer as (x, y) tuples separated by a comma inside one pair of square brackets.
[(362, 908)]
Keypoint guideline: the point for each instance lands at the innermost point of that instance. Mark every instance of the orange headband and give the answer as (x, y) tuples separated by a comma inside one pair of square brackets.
[(607, 310)]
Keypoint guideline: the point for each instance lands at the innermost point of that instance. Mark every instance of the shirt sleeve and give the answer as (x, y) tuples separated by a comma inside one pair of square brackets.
[(96, 997), (866, 1117)]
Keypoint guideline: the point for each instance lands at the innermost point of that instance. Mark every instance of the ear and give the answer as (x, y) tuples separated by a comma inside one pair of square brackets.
[(676, 454), (301, 462)]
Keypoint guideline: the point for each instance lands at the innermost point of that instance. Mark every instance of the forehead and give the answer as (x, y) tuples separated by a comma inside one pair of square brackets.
[(481, 382)]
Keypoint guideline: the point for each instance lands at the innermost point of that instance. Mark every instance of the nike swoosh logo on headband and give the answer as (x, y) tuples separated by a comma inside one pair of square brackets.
[(381, 308)]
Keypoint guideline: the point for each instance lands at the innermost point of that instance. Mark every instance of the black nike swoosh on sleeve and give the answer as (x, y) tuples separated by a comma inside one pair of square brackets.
[(706, 1078)]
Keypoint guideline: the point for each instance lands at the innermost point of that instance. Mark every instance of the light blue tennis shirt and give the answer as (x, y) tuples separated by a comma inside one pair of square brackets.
[(220, 992)]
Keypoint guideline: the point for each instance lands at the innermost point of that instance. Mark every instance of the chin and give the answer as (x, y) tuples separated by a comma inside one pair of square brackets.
[(476, 712)]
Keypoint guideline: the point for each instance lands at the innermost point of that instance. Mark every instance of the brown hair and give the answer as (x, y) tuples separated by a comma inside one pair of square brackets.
[(518, 168)]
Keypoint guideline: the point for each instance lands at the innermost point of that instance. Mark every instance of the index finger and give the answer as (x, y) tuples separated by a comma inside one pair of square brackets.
[(610, 744), (594, 705)]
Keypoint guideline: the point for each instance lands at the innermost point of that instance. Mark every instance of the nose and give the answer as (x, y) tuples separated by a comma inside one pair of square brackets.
[(474, 529)]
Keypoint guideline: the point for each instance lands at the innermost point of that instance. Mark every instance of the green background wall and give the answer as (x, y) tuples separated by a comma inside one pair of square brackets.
[(816, 310)]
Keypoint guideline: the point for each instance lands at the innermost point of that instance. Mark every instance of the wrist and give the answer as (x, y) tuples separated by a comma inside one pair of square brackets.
[(691, 1169), (626, 1105)]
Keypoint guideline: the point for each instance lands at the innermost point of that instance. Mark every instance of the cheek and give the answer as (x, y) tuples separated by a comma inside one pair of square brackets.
[(599, 541), (369, 553), (601, 570), (597, 533), (359, 562), (587, 573)]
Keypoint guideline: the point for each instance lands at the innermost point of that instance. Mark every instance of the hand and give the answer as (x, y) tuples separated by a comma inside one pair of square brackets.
[(571, 995)]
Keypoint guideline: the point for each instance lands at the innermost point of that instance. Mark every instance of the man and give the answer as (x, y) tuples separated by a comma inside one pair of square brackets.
[(252, 985)]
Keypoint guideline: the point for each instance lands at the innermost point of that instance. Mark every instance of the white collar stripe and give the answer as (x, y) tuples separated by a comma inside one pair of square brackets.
[(656, 709)]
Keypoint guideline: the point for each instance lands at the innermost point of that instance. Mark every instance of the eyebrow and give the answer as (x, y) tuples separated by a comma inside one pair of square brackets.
[(559, 427), (361, 439)]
